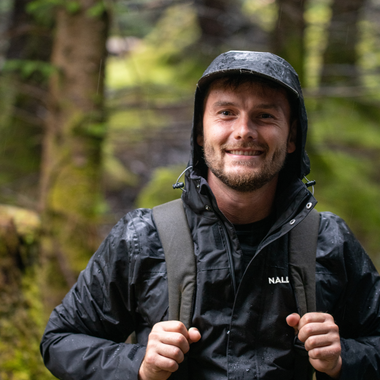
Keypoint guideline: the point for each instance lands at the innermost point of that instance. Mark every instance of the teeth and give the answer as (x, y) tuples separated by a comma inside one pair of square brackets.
[(244, 152)]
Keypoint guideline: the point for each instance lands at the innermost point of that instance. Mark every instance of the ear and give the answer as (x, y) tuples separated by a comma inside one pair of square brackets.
[(292, 138), (200, 139)]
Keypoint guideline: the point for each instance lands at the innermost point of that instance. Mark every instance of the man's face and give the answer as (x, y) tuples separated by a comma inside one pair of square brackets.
[(246, 134)]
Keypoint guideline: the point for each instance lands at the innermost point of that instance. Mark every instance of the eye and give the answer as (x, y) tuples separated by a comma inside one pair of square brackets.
[(226, 113), (266, 116)]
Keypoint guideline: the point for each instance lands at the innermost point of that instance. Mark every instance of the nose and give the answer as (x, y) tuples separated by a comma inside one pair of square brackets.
[(244, 129)]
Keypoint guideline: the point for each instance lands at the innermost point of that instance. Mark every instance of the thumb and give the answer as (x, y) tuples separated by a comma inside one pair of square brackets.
[(194, 335), (293, 320)]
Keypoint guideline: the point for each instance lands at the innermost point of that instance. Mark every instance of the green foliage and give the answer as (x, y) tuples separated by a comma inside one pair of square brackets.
[(175, 32), (369, 53), (344, 150), (159, 189), (115, 175), (317, 16), (19, 145), (21, 312), (263, 11), (28, 67), (21, 330), (43, 9), (97, 10)]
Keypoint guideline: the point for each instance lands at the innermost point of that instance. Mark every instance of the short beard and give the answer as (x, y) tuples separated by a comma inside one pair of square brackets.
[(250, 181)]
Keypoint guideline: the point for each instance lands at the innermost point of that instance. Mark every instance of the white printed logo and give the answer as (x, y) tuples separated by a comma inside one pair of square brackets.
[(278, 280)]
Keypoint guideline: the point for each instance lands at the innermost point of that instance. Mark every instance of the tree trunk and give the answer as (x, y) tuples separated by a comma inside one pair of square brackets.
[(71, 165), (224, 26), (288, 36), (22, 104), (340, 56)]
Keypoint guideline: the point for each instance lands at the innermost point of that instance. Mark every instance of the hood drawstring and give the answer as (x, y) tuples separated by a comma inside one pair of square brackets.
[(181, 185), (310, 183)]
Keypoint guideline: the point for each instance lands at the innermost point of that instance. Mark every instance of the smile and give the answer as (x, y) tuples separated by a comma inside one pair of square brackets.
[(245, 152)]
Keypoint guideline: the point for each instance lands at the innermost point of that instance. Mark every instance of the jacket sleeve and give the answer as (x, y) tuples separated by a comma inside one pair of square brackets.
[(354, 291), (85, 336)]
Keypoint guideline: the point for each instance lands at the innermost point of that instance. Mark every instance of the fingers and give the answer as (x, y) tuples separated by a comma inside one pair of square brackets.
[(293, 320), (194, 335), (312, 324), (322, 341), (168, 342)]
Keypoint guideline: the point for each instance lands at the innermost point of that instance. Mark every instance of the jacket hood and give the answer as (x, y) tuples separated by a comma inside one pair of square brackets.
[(267, 66)]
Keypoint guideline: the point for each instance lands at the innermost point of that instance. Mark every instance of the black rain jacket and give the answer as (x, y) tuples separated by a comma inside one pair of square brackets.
[(243, 327)]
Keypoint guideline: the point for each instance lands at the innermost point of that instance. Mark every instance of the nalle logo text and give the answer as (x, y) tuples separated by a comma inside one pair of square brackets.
[(278, 280)]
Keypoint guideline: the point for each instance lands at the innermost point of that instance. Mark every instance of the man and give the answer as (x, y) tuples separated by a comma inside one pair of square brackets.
[(243, 195)]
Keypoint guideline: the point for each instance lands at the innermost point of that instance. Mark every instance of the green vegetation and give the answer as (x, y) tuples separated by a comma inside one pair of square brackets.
[(344, 151), (149, 94), (159, 189)]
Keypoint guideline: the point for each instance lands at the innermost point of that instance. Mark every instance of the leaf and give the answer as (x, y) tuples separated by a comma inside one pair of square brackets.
[(96, 10)]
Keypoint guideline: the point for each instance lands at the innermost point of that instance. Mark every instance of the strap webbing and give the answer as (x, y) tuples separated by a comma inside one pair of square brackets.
[(178, 247), (302, 256), (302, 248)]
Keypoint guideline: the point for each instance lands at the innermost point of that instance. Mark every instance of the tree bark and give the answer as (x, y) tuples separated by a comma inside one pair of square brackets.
[(224, 26), (71, 165), (340, 56), (23, 107), (288, 36)]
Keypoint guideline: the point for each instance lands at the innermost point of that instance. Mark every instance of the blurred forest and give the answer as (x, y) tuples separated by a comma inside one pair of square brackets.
[(95, 117)]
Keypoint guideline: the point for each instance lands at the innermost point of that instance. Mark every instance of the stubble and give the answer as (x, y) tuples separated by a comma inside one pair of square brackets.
[(249, 180)]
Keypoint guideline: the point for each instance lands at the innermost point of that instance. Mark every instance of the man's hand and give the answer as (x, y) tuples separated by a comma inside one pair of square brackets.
[(168, 342), (322, 341)]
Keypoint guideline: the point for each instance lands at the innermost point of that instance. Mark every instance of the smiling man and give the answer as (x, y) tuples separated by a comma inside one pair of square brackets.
[(247, 133), (242, 199)]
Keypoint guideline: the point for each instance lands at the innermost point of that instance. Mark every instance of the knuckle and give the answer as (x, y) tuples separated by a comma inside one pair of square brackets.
[(308, 330), (178, 339), (172, 366), (153, 337), (307, 318), (178, 355), (149, 358), (177, 325), (334, 328), (310, 343)]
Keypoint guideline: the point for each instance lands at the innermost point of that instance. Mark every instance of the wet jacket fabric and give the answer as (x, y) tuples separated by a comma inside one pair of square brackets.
[(240, 312)]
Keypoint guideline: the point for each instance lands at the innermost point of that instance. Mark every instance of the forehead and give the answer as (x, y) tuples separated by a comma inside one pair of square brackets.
[(251, 88)]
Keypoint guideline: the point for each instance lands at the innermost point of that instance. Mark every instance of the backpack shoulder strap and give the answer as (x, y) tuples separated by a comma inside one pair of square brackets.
[(302, 256), (178, 246), (302, 253)]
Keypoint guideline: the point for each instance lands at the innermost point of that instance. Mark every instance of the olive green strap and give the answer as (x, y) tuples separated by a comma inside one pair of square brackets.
[(302, 251), (177, 243), (302, 258)]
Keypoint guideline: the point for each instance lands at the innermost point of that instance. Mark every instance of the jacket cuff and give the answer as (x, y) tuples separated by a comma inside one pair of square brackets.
[(132, 361)]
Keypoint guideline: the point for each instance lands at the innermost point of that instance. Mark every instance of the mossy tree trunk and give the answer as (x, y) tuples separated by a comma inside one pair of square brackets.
[(287, 39), (71, 167), (21, 321), (340, 56), (23, 89)]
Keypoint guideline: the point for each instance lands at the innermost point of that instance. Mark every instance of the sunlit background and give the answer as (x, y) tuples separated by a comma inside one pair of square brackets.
[(96, 102)]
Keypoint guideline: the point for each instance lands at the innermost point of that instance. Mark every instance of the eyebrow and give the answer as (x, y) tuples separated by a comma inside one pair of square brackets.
[(267, 106), (222, 103)]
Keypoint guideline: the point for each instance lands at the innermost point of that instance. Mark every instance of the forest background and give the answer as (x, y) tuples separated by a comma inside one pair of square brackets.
[(95, 117)]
